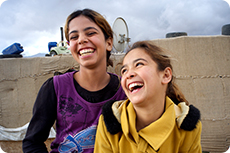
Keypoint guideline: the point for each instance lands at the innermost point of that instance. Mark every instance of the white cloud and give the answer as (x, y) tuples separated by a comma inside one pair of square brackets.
[(35, 23)]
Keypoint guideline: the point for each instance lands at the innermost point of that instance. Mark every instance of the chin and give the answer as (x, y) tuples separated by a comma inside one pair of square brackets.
[(135, 100)]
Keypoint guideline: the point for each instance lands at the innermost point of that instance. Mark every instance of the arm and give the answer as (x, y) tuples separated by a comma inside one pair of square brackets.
[(196, 145), (102, 144), (44, 115)]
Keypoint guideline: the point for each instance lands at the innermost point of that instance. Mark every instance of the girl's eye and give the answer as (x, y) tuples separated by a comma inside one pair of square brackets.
[(73, 37), (91, 33), (123, 71), (139, 64)]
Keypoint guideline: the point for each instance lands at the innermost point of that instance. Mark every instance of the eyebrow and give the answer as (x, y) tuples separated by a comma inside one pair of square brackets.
[(136, 60), (87, 28)]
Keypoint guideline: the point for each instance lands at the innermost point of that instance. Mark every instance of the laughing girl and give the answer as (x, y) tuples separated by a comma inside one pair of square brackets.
[(156, 117), (74, 99)]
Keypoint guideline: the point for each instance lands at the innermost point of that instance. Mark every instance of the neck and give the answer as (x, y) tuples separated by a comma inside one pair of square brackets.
[(149, 114), (92, 80)]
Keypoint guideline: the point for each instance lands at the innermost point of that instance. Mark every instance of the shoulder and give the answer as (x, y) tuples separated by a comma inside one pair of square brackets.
[(64, 75), (47, 86), (192, 119), (191, 139), (112, 124), (48, 82)]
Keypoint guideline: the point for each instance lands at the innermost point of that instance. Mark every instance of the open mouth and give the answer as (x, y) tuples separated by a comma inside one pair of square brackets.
[(135, 86), (85, 52)]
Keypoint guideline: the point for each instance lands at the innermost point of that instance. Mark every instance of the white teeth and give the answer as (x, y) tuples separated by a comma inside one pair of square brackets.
[(135, 85), (86, 52)]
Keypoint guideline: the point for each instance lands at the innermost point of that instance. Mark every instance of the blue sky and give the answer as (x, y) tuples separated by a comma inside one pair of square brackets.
[(34, 23)]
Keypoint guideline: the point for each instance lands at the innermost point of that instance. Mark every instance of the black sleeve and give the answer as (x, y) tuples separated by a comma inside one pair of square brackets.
[(44, 116)]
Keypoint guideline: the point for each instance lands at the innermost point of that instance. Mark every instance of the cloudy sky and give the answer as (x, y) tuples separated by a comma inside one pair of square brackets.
[(34, 23)]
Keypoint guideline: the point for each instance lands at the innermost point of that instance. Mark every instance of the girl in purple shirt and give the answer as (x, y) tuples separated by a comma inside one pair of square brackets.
[(74, 99)]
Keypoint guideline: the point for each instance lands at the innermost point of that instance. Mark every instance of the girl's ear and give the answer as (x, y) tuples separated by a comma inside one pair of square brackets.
[(167, 75), (109, 44)]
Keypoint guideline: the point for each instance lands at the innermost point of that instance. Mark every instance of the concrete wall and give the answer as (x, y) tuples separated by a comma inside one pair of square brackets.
[(201, 67)]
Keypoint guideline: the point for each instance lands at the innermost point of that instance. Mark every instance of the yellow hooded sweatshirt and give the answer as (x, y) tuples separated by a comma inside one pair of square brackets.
[(161, 136)]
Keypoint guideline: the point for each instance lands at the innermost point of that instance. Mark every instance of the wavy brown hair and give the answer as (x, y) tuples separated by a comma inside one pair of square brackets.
[(163, 61), (96, 18)]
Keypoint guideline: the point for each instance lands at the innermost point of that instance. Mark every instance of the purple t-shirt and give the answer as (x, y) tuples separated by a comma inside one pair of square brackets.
[(77, 118)]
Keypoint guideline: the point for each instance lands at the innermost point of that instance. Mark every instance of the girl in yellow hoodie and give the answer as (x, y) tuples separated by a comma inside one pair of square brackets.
[(153, 118)]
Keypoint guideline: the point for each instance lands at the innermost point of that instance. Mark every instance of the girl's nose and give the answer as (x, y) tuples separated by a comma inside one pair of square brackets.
[(131, 74), (82, 39)]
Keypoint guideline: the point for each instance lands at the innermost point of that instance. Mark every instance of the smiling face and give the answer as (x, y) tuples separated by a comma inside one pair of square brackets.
[(87, 42), (141, 80)]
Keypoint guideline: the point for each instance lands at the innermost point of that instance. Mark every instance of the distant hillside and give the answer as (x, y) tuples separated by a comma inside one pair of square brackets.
[(37, 55)]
